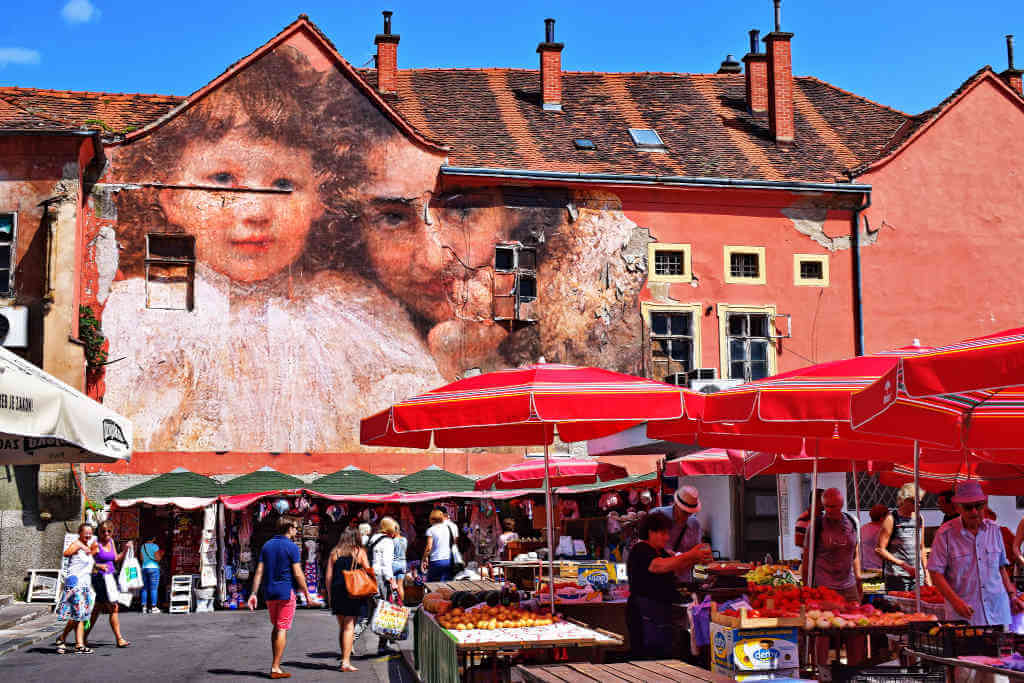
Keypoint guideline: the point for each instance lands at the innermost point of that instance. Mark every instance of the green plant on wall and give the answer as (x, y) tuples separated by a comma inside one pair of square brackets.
[(92, 337)]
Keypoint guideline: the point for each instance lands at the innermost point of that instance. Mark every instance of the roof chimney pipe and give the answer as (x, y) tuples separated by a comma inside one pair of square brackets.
[(755, 42), (1014, 77), (780, 82), (387, 57), (729, 66), (756, 75), (550, 69)]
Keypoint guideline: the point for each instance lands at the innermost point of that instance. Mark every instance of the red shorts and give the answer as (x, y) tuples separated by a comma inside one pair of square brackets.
[(282, 612)]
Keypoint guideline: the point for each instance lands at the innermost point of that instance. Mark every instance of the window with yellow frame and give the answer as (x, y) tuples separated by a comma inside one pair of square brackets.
[(673, 332), (810, 270), (746, 344), (668, 262), (745, 265)]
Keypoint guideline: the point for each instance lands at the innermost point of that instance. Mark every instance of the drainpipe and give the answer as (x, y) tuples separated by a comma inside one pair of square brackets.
[(858, 304)]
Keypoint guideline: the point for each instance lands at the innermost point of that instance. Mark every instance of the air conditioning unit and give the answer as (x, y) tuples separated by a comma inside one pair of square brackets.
[(702, 373), (14, 326), (712, 386)]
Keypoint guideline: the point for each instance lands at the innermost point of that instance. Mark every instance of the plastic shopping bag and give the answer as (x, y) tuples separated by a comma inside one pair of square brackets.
[(131, 573), (389, 620)]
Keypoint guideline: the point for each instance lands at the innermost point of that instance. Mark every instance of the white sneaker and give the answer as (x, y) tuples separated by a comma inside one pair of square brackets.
[(154, 610)]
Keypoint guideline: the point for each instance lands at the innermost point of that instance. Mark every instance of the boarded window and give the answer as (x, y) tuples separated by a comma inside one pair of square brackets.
[(7, 225), (170, 271)]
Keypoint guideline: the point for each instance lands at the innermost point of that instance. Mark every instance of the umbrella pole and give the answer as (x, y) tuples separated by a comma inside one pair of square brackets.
[(856, 507), (778, 500), (811, 530), (918, 569), (549, 513)]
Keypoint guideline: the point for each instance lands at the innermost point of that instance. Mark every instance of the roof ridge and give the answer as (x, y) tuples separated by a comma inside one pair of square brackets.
[(855, 95)]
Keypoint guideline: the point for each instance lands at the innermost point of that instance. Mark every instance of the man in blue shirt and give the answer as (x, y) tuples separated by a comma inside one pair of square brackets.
[(968, 563), (280, 565), (685, 535)]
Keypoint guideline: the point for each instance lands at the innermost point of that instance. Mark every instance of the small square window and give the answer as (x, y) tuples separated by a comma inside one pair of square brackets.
[(646, 138), (810, 270), (584, 144), (527, 258), (668, 262), (526, 287), (8, 223), (504, 258), (745, 265)]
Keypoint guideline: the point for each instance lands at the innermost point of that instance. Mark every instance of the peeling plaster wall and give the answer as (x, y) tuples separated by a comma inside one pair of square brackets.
[(949, 211)]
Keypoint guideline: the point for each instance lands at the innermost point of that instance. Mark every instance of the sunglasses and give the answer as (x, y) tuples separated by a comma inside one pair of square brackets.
[(972, 506)]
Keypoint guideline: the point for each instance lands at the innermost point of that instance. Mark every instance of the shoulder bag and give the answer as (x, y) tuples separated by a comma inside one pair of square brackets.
[(361, 582), (457, 564)]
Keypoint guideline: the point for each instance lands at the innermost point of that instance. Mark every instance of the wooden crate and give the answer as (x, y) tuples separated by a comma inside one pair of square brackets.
[(744, 621)]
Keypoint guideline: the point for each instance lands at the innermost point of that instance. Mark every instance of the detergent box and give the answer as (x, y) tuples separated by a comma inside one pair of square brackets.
[(745, 652)]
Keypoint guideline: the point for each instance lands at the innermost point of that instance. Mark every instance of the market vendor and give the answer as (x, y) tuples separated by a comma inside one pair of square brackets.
[(685, 534), (836, 555), (652, 570), (968, 563), (902, 563)]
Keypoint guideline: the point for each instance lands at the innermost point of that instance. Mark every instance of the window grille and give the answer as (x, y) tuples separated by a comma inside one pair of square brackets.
[(744, 264), (668, 263), (812, 270), (872, 492), (671, 343)]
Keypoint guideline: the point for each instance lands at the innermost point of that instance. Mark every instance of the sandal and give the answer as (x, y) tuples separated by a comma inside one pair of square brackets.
[(62, 647), (123, 643), (82, 650), (347, 668)]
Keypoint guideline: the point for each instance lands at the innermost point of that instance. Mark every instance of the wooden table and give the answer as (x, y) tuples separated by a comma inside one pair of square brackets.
[(471, 586), (661, 671)]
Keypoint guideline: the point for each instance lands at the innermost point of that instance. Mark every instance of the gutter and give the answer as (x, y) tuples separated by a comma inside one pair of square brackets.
[(858, 303), (653, 180)]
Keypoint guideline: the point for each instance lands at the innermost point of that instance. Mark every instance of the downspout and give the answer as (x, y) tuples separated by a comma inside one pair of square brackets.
[(858, 303)]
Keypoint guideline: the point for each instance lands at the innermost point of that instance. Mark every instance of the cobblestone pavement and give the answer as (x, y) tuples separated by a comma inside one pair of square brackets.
[(220, 646)]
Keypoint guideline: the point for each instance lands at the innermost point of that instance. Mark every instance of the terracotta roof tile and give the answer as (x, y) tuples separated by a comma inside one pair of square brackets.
[(493, 118), (112, 112)]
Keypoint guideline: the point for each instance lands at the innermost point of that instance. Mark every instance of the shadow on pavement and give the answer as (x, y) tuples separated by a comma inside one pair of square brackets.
[(236, 672), (334, 654)]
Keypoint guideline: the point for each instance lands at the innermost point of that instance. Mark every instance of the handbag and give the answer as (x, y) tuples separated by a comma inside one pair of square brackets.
[(457, 564), (361, 582)]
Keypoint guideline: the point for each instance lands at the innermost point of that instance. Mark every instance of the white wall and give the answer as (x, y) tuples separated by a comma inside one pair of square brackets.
[(717, 510)]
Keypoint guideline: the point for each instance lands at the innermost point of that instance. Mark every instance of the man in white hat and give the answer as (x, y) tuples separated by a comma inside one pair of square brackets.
[(685, 535), (968, 563)]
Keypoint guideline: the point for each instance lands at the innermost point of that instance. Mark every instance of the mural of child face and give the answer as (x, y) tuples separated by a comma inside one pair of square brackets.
[(247, 236)]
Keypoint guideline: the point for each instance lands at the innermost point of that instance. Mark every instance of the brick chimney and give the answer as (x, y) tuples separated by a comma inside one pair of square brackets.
[(756, 75), (387, 57), (729, 66), (780, 82), (1013, 77), (550, 68)]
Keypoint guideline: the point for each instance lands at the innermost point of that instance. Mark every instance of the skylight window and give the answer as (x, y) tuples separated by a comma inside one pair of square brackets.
[(646, 138), (584, 143)]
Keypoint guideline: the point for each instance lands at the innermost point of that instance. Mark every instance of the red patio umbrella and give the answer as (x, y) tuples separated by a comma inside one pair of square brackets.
[(997, 479), (523, 407), (562, 472)]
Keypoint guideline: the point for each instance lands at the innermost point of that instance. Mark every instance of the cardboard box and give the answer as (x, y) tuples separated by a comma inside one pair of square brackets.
[(737, 651)]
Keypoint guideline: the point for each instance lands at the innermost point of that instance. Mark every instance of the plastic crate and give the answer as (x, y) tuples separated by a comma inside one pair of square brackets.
[(957, 640), (886, 674), (909, 606)]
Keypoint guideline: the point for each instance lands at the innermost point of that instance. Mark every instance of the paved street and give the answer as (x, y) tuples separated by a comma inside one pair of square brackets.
[(222, 646)]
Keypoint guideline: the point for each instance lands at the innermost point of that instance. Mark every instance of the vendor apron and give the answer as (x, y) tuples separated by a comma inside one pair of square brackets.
[(651, 632)]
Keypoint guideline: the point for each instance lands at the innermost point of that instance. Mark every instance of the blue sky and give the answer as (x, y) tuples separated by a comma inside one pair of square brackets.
[(897, 53)]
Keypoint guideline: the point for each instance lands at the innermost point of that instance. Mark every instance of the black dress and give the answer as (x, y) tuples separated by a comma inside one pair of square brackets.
[(341, 603)]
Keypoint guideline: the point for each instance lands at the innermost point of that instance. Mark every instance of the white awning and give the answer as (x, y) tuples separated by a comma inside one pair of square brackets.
[(43, 420)]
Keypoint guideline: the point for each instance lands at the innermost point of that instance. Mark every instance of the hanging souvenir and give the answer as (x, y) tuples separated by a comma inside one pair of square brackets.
[(302, 504), (613, 525), (282, 506), (262, 510), (646, 497), (486, 507), (634, 497), (528, 509), (570, 509), (314, 508)]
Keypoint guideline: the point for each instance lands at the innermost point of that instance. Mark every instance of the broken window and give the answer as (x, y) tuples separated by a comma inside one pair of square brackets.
[(669, 262), (515, 282), (744, 264), (671, 344), (8, 221), (170, 271), (749, 343)]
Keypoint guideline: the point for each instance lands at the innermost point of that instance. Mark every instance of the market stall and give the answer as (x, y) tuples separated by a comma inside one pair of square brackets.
[(179, 510)]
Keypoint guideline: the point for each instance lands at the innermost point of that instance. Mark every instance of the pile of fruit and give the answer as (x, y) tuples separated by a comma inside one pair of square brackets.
[(772, 575), (789, 598), (929, 594), (489, 618), (860, 617)]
